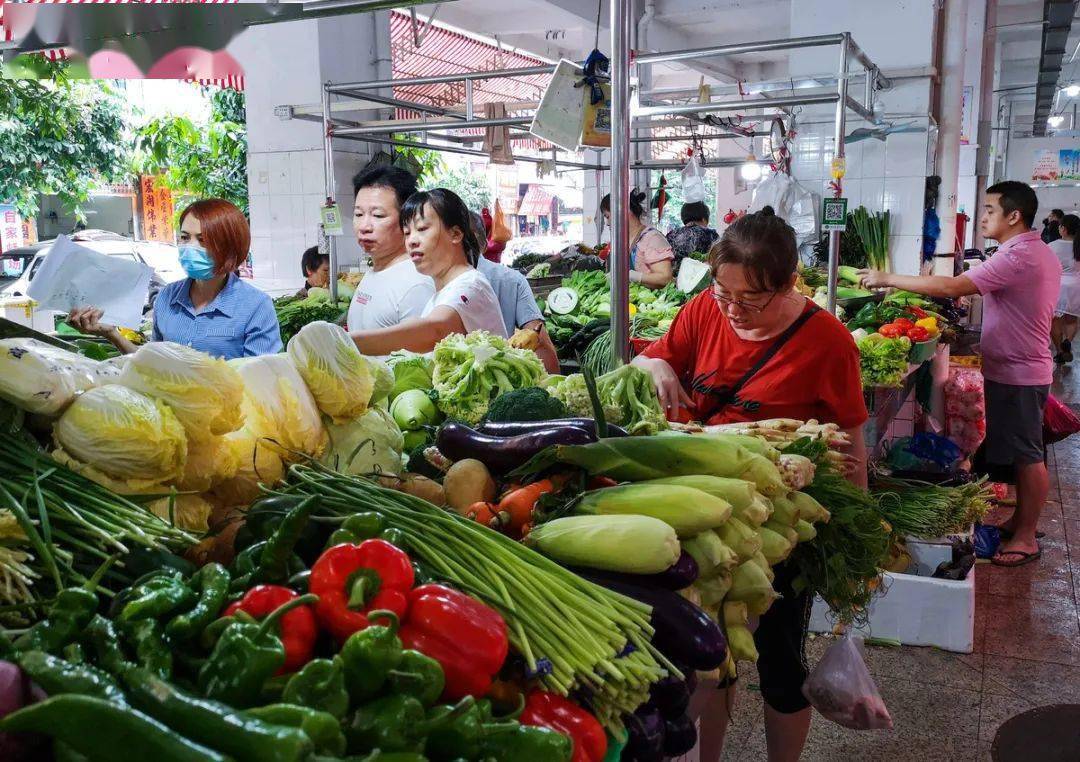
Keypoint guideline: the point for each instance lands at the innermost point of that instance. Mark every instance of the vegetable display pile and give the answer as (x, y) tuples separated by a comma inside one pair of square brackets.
[(883, 361), (627, 394), (915, 509)]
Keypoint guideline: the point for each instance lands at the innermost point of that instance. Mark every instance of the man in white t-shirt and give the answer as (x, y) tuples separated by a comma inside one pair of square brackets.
[(393, 291)]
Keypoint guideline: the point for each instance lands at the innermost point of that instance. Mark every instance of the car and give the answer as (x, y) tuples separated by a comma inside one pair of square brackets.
[(163, 259)]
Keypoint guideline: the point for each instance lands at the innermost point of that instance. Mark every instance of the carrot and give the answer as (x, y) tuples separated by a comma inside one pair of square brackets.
[(483, 513), (515, 509)]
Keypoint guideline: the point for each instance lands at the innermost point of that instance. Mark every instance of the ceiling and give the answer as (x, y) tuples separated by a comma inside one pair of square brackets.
[(1020, 25)]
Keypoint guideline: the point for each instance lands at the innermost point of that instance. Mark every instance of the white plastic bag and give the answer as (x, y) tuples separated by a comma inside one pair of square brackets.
[(841, 689), (693, 181)]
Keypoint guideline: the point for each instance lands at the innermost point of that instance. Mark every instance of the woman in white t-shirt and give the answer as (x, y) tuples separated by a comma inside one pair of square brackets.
[(441, 245), (1067, 313), (393, 291)]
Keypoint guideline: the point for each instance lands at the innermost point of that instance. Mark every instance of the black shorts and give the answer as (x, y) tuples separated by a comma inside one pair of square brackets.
[(1014, 423), (781, 643)]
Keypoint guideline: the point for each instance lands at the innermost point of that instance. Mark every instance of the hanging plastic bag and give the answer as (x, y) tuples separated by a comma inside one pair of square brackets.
[(841, 689), (693, 181), (1058, 421), (500, 230)]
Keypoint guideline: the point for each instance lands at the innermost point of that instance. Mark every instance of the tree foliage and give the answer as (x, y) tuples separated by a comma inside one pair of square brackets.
[(673, 207), (472, 186), (199, 161), (58, 136)]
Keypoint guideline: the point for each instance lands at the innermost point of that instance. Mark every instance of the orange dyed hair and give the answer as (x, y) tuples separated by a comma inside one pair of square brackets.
[(225, 232)]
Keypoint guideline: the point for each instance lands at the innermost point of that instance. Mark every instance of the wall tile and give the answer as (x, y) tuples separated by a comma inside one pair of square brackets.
[(258, 174), (873, 192), (853, 154), (296, 170), (313, 178), (279, 174), (853, 192), (873, 158), (904, 199), (905, 253), (905, 155), (260, 216), (280, 216), (262, 257)]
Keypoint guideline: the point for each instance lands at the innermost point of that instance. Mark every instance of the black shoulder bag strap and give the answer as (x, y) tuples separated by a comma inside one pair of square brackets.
[(768, 354)]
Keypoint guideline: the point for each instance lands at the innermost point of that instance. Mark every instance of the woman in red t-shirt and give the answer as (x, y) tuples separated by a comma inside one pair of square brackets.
[(748, 349)]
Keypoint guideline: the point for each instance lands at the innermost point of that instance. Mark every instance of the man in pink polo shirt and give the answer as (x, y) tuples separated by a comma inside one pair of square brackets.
[(1019, 285)]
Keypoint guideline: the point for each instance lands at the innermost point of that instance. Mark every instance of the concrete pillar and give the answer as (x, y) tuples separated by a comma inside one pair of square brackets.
[(953, 56), (286, 64)]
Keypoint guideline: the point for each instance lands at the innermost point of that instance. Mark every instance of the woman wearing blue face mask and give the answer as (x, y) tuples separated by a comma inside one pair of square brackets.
[(212, 310)]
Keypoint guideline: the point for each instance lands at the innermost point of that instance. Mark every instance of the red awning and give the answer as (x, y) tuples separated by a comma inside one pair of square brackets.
[(536, 203)]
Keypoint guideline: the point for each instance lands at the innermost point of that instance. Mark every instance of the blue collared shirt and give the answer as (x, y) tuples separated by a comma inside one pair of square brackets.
[(240, 322), (516, 300)]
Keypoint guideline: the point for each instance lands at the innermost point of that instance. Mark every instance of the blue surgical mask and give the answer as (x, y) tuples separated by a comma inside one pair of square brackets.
[(197, 262)]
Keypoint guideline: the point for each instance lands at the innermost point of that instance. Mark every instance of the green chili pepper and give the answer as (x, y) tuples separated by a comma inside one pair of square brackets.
[(142, 561), (364, 525), (212, 582), (73, 652), (527, 744), (247, 560), (147, 637), (394, 536), (64, 753), (93, 727), (160, 595), (242, 736), (396, 723), (369, 655), (418, 676), (461, 737), (56, 676), (104, 640), (69, 613), (244, 657), (322, 728), (320, 685), (300, 581), (274, 561)]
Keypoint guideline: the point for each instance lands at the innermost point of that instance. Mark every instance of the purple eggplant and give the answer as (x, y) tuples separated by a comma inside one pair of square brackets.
[(683, 632), (680, 736), (17, 691), (670, 696), (501, 454), (516, 428), (679, 575), (645, 736)]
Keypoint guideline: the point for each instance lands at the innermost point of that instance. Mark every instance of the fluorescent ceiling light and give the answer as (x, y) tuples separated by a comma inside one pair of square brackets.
[(1055, 120)]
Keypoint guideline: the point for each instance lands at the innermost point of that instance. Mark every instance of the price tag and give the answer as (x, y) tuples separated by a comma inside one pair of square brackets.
[(331, 220), (834, 214), (562, 301)]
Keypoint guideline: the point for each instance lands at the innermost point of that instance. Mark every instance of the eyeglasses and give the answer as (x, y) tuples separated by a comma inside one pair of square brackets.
[(723, 301)]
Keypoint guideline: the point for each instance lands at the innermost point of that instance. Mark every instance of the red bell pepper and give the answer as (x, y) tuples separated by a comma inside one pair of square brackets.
[(918, 312), (918, 333), (552, 711), (352, 580), (298, 627), (466, 637), (891, 331), (904, 324)]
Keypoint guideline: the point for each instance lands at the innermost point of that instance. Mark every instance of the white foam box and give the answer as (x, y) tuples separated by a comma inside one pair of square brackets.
[(917, 609)]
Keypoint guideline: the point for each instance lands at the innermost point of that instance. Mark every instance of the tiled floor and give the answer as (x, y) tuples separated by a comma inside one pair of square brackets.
[(1027, 651)]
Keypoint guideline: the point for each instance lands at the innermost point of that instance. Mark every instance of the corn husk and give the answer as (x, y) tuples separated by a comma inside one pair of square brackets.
[(632, 544), (740, 538), (687, 510)]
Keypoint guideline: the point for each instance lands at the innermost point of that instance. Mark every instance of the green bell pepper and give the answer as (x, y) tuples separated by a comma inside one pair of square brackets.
[(527, 744), (461, 737), (274, 562), (320, 684), (369, 655), (322, 728), (418, 676), (244, 657)]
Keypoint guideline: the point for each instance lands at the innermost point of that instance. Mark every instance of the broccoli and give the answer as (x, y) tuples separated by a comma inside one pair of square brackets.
[(529, 404)]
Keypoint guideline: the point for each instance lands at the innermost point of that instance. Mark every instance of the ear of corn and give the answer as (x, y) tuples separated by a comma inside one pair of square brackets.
[(739, 492), (633, 544), (686, 510)]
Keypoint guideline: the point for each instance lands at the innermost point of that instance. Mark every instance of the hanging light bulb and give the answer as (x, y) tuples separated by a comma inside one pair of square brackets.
[(1072, 91), (1055, 120), (750, 170)]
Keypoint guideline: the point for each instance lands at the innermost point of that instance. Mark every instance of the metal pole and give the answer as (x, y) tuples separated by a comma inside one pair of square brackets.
[(462, 151), (736, 105), (868, 91), (469, 99), (749, 47), (621, 19), (331, 184), (838, 138), (421, 126), (442, 79)]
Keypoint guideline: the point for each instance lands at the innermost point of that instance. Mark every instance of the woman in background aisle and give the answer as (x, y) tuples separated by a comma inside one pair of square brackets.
[(211, 310), (441, 244), (1067, 312), (652, 262), (393, 291)]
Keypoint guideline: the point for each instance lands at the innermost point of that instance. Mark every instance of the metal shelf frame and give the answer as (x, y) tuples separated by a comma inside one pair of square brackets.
[(852, 64)]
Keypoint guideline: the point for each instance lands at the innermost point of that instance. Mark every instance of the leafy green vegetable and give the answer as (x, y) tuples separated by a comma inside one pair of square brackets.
[(411, 371), (529, 404), (883, 362), (293, 314), (874, 232), (471, 371)]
